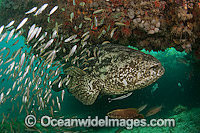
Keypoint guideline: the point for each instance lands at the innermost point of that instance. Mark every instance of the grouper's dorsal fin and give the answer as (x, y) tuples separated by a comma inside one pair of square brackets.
[(84, 87)]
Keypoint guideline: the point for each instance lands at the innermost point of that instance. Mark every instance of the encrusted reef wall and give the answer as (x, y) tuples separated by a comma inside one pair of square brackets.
[(149, 24)]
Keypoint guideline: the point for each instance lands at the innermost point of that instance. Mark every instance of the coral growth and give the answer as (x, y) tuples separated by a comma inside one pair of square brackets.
[(154, 24)]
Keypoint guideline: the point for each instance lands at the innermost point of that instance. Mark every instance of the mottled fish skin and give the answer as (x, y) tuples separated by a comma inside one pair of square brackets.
[(118, 63), (88, 91), (110, 70)]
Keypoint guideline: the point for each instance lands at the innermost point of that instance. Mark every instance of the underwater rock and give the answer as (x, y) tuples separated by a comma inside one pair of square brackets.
[(164, 16), (131, 13), (179, 109)]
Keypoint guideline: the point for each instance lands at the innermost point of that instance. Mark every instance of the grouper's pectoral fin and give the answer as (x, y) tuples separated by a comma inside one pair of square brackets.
[(84, 87)]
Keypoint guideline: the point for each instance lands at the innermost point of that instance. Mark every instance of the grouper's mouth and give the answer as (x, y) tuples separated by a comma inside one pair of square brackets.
[(157, 70), (161, 71)]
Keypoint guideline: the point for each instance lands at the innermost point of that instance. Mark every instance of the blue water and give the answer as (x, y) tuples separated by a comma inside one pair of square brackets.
[(169, 93)]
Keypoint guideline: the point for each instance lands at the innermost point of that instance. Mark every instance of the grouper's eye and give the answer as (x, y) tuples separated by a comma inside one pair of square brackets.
[(155, 67)]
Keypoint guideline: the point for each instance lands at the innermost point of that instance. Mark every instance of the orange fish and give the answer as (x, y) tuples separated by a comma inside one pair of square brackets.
[(129, 113), (154, 110)]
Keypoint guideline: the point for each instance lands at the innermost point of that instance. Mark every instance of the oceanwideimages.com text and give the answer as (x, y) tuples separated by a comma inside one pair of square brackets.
[(47, 121)]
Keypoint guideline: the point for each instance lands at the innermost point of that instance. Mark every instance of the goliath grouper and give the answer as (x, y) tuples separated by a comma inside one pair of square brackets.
[(109, 70)]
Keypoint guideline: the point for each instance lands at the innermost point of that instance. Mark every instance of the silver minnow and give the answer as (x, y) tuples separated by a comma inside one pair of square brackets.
[(10, 35), (3, 36), (41, 9), (1, 28), (10, 24), (72, 50), (70, 38), (48, 43), (31, 10), (120, 98), (22, 23), (31, 30), (53, 10), (22, 59), (33, 34), (38, 32)]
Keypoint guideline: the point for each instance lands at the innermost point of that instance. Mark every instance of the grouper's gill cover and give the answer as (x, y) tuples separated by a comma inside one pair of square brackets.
[(117, 70)]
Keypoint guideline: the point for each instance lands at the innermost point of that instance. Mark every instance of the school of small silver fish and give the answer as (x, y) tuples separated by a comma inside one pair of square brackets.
[(32, 76), (35, 74)]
